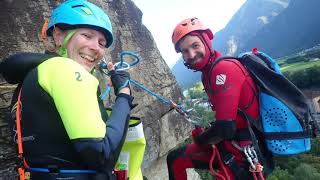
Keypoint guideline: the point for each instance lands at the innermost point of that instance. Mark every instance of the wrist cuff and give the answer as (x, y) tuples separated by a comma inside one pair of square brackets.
[(128, 97)]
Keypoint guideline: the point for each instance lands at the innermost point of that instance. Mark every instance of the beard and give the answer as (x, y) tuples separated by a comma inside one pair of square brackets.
[(193, 61)]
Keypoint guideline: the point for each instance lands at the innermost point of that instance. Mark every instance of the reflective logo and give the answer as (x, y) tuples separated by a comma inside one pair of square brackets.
[(87, 11), (78, 76), (221, 79)]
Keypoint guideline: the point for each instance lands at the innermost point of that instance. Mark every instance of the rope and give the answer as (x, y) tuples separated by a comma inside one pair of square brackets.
[(122, 65), (215, 153), (106, 92), (160, 98), (258, 170)]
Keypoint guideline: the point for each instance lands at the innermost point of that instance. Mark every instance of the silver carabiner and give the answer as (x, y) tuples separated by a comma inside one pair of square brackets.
[(249, 159)]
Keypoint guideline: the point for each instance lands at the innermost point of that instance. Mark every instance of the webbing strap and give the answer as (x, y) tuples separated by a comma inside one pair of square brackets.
[(21, 170), (18, 125)]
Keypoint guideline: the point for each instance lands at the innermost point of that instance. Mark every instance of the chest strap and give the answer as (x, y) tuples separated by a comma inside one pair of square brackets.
[(242, 135)]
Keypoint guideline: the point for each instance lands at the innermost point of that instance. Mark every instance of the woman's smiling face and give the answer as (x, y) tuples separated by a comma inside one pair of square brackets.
[(87, 47)]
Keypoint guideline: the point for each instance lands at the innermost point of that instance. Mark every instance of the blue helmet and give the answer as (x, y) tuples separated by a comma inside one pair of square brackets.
[(81, 14)]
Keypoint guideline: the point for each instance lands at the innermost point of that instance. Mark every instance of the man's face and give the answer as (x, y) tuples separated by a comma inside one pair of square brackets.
[(87, 47), (192, 49)]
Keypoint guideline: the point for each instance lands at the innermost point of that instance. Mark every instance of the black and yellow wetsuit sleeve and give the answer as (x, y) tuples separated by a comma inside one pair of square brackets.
[(74, 92)]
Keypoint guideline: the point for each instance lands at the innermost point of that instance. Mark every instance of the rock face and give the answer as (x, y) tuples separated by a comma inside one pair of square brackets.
[(21, 22)]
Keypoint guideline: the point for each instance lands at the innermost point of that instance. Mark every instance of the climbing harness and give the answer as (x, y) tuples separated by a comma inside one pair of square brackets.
[(122, 66), (255, 167)]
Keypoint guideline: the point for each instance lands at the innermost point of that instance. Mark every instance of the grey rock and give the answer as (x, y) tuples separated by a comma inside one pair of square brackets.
[(21, 22)]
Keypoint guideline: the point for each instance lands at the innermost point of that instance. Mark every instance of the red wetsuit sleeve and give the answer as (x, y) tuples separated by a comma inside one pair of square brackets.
[(226, 82)]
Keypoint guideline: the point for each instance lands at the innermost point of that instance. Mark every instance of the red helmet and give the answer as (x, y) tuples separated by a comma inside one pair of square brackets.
[(185, 27)]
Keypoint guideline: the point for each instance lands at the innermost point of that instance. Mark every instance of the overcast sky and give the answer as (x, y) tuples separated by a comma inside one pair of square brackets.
[(161, 17)]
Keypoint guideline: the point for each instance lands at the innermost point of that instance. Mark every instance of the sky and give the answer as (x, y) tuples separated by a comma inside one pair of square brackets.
[(162, 16)]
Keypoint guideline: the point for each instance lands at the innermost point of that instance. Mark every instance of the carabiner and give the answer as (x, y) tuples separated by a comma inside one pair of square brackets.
[(122, 65)]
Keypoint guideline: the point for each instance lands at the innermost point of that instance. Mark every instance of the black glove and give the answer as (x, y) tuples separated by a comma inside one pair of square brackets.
[(120, 79)]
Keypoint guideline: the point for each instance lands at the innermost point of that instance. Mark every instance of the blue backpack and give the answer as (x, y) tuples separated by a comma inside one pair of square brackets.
[(285, 121)]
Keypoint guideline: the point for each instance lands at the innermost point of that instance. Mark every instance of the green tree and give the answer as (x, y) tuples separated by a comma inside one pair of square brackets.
[(280, 174), (306, 172), (304, 78), (315, 147), (291, 163), (197, 92), (196, 99), (314, 75)]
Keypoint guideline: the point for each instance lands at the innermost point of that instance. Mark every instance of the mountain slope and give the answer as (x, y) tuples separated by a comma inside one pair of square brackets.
[(184, 76), (295, 29), (250, 18)]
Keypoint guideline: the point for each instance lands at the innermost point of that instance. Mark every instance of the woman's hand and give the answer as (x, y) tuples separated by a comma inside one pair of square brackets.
[(120, 80)]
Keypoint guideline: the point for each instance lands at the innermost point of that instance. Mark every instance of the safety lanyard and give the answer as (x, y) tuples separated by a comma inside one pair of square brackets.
[(21, 170)]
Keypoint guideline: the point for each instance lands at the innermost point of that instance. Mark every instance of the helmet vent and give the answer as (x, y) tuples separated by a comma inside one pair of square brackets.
[(78, 6), (193, 21)]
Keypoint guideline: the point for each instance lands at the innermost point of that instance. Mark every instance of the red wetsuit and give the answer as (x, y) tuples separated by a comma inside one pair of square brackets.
[(229, 88)]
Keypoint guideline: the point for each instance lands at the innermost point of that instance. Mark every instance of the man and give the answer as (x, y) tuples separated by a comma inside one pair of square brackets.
[(230, 89), (65, 130)]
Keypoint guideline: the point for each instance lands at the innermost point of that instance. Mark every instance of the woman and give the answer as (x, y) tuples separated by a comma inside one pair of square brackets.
[(65, 130)]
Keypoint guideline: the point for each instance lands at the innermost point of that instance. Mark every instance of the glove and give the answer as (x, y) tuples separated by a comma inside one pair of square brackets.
[(195, 133), (119, 79)]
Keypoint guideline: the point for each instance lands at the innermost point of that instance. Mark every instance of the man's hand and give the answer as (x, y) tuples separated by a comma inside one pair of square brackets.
[(120, 80)]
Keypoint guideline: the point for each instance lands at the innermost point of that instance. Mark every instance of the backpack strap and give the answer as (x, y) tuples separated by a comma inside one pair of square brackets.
[(215, 62), (234, 58)]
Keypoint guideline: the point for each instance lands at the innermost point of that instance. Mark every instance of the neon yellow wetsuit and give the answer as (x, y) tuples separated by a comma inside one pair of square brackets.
[(64, 123)]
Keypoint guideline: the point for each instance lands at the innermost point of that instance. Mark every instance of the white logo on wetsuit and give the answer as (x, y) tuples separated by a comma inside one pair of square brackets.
[(221, 79)]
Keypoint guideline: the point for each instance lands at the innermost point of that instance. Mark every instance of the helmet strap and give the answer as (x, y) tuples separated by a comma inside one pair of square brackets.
[(206, 43), (62, 50), (44, 37), (44, 31)]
